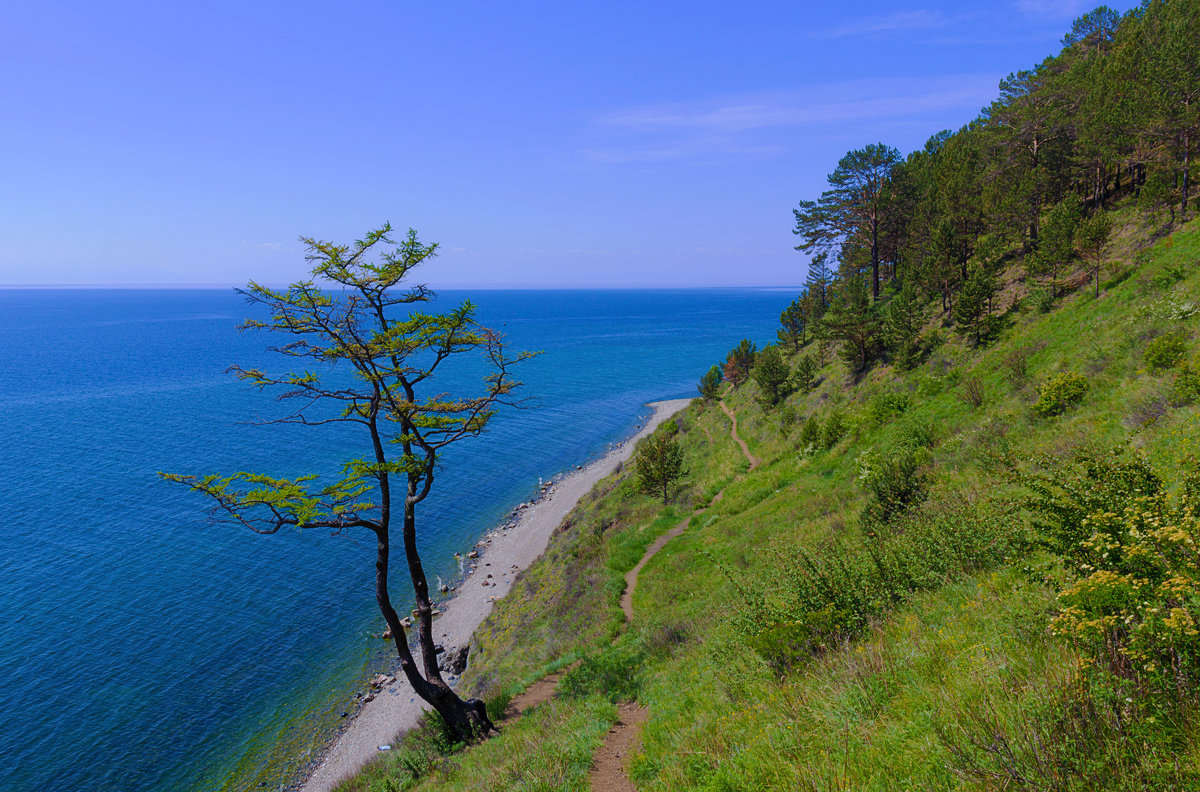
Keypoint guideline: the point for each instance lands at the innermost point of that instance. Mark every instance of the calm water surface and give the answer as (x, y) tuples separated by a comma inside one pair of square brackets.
[(143, 647)]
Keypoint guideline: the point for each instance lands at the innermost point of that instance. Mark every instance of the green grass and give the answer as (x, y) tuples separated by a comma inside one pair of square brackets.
[(895, 703)]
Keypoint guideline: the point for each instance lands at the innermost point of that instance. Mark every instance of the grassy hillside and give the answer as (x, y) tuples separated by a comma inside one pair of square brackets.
[(877, 605)]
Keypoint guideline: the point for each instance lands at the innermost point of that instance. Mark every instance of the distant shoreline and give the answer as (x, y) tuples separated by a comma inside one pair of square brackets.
[(503, 552)]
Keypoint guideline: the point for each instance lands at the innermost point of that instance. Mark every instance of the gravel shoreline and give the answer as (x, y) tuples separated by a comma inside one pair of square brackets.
[(490, 569)]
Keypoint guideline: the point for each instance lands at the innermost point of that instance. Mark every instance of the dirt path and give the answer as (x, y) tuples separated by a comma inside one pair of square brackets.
[(733, 432), (609, 771), (632, 575), (610, 764)]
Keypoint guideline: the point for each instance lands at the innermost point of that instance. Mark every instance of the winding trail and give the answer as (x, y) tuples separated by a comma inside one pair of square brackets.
[(610, 763), (733, 432)]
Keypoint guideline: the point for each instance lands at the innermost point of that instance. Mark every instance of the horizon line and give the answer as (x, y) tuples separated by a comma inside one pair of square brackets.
[(451, 287)]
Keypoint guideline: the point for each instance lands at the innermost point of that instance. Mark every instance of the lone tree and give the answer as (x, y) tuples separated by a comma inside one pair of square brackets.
[(773, 376), (659, 463), (391, 360), (710, 383), (740, 362)]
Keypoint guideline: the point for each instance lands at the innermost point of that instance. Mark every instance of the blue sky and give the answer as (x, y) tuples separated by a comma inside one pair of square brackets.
[(542, 144)]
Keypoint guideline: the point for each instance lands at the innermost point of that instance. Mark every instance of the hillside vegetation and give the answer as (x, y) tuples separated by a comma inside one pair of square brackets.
[(894, 603), (968, 555)]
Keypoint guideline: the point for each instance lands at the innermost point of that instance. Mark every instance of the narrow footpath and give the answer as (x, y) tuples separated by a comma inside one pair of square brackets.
[(610, 764)]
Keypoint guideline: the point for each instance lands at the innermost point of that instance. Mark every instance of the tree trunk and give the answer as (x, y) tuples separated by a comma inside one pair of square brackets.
[(875, 259), (1187, 164)]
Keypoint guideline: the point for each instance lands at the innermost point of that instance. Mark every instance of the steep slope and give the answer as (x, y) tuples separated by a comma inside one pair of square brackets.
[(871, 606)]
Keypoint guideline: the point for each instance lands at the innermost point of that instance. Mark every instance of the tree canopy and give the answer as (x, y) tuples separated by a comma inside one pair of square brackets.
[(362, 352)]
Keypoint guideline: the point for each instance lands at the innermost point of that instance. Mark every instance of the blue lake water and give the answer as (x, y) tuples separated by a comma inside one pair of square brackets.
[(142, 646)]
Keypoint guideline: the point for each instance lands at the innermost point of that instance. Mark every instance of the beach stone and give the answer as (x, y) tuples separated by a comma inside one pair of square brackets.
[(458, 660), (473, 554)]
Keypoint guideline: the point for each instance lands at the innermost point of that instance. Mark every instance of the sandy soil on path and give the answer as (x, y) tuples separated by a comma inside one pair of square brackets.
[(733, 432), (502, 554), (610, 766)]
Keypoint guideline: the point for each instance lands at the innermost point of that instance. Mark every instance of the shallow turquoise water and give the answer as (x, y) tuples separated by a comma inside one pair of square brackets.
[(143, 647)]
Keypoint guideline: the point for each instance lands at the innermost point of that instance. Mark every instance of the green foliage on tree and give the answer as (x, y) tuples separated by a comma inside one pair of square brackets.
[(659, 464), (853, 319), (710, 383), (851, 213), (1091, 237), (740, 362), (903, 320), (793, 322), (359, 314), (806, 372), (973, 311), (772, 375), (1060, 393), (1056, 245)]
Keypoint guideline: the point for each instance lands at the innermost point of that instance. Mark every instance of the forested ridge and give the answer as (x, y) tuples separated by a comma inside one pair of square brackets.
[(958, 549), (1113, 117)]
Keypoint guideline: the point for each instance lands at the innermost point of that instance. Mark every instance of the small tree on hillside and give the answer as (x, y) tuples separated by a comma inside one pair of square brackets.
[(771, 374), (740, 362), (659, 463), (1056, 243), (386, 356), (710, 383), (793, 322), (903, 320), (854, 320), (972, 313), (1092, 238), (806, 372)]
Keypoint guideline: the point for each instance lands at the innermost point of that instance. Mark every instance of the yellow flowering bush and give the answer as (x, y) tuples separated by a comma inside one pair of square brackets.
[(1135, 606)]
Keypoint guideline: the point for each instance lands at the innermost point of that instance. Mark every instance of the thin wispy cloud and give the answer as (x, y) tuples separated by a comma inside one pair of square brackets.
[(921, 19), (1054, 9), (749, 125)]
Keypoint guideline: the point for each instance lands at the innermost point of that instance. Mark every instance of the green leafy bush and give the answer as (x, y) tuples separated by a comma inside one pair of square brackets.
[(1061, 392), (888, 405), (613, 672), (1041, 299), (787, 419), (1186, 387), (895, 483), (1166, 351), (1133, 608), (810, 436), (832, 429), (805, 600)]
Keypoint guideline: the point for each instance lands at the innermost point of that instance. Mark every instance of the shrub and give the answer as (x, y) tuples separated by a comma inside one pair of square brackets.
[(612, 672), (1134, 606), (972, 392), (787, 419), (1166, 351), (832, 429), (1042, 299), (1016, 365), (810, 433), (919, 432), (888, 405), (803, 600), (1186, 387), (895, 483), (1060, 392)]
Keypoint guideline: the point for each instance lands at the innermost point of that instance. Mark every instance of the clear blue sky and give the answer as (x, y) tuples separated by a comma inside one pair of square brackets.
[(554, 143)]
